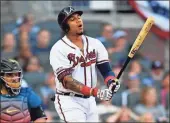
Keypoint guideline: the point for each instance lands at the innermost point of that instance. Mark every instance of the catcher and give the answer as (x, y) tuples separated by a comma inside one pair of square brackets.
[(17, 104)]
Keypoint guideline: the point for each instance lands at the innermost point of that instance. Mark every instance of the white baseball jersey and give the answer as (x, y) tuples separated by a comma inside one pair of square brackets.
[(67, 58)]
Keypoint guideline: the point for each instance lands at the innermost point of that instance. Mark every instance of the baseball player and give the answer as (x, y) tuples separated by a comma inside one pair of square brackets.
[(75, 59), (18, 104)]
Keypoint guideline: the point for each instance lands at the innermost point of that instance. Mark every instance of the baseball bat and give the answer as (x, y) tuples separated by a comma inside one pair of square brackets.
[(139, 40)]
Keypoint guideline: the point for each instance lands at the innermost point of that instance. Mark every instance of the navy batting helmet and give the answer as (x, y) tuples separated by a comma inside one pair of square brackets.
[(64, 15)]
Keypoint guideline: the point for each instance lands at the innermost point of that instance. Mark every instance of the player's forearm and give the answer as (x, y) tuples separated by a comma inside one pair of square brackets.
[(72, 84), (76, 86)]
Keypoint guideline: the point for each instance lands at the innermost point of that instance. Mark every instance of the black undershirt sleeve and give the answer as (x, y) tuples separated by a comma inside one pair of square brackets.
[(36, 113)]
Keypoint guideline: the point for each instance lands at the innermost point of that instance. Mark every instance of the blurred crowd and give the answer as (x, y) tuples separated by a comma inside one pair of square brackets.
[(144, 92)]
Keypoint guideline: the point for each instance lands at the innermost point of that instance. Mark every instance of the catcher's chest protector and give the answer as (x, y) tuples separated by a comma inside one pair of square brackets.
[(14, 109)]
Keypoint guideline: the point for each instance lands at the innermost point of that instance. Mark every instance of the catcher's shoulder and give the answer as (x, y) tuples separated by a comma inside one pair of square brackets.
[(26, 91)]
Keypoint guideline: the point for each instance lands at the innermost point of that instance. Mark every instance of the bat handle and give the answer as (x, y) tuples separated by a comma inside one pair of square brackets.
[(123, 68), (121, 71)]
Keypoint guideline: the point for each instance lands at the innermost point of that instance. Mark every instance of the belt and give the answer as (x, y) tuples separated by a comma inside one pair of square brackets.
[(72, 94)]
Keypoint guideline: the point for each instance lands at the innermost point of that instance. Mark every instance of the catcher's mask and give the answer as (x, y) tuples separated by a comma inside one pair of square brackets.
[(11, 76)]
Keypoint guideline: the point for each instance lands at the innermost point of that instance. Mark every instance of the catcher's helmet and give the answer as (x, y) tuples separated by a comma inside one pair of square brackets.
[(64, 15), (10, 76)]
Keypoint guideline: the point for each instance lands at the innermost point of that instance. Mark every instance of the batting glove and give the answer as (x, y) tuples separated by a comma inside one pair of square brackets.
[(114, 85), (105, 94)]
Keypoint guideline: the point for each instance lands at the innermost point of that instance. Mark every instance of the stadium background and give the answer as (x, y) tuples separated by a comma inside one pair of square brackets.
[(126, 24)]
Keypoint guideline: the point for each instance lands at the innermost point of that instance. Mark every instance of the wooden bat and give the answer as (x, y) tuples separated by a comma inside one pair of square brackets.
[(139, 40)]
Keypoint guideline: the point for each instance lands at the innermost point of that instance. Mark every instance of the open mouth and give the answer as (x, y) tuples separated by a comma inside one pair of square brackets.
[(80, 26)]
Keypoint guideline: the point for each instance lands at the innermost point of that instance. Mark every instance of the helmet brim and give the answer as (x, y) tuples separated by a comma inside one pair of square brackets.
[(76, 12)]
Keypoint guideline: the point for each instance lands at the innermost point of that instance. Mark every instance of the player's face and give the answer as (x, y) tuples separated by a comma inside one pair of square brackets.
[(76, 24), (12, 79)]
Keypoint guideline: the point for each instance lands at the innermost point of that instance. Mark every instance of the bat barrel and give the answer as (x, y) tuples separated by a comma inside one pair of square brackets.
[(141, 36)]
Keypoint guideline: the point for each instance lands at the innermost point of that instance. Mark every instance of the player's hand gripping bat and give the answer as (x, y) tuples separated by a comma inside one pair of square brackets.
[(139, 40)]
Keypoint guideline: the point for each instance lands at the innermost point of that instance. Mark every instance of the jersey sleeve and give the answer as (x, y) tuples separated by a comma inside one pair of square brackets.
[(102, 54), (33, 99), (60, 64)]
